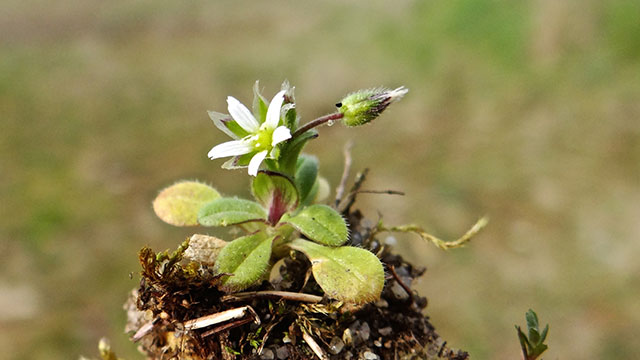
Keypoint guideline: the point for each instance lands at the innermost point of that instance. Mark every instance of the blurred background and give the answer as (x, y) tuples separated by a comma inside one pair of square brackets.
[(525, 111)]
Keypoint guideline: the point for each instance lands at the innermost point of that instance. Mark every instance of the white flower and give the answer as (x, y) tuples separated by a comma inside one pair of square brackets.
[(253, 141)]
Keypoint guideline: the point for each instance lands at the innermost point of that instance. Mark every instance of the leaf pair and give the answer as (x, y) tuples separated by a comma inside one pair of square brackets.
[(343, 272)]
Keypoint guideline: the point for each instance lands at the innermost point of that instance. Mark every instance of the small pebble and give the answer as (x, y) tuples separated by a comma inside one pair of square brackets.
[(402, 271), (282, 352), (390, 241), (385, 331), (382, 303), (368, 355), (347, 336), (377, 343), (336, 345), (365, 331), (398, 291), (267, 354)]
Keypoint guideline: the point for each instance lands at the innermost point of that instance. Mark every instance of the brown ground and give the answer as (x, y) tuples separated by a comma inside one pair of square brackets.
[(173, 291)]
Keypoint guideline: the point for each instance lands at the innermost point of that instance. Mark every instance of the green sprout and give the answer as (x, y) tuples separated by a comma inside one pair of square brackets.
[(285, 213), (532, 345)]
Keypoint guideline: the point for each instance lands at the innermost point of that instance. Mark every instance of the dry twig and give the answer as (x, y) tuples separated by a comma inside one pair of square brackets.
[(286, 295)]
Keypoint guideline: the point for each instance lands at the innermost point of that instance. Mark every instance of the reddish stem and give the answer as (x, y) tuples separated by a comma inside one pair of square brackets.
[(317, 122)]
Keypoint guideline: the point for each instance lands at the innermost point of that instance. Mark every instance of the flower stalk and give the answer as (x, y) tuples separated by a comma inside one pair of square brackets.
[(317, 122)]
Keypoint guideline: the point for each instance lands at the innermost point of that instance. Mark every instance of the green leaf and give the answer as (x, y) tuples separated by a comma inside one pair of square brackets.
[(532, 319), (344, 273), (321, 224), (230, 211), (290, 150), (543, 336), (275, 192), (179, 204), (533, 326), (247, 258), (539, 350), (534, 336), (306, 176)]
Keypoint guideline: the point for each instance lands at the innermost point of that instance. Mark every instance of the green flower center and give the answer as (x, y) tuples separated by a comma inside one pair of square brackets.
[(263, 139)]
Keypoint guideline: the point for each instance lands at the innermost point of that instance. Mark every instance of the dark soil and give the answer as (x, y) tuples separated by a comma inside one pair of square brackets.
[(173, 291)]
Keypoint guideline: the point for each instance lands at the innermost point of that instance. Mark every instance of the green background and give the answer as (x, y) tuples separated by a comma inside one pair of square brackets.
[(526, 111)]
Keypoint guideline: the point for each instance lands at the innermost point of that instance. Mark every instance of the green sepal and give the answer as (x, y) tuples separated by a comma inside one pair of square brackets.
[(238, 162), (290, 150), (321, 224), (276, 192), (345, 273), (260, 104), (246, 259), (289, 112), (306, 177), (230, 211), (227, 124), (179, 203)]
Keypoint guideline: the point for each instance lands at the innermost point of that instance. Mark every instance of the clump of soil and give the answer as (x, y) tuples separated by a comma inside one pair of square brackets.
[(170, 313)]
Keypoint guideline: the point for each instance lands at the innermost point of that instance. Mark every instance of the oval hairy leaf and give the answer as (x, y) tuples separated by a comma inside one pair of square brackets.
[(179, 204), (321, 224), (344, 273), (230, 211), (246, 258)]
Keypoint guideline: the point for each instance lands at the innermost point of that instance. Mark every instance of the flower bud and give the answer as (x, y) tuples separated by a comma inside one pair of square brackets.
[(363, 106)]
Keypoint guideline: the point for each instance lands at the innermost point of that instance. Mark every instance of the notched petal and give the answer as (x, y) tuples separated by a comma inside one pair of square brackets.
[(242, 115), (255, 162), (229, 148), (273, 113), (280, 134)]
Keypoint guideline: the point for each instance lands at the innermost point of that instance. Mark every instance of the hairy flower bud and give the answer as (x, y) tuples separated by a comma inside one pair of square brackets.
[(363, 106)]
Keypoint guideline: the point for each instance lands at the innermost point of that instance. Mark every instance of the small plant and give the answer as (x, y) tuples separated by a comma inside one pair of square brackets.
[(284, 214), (532, 345), (190, 303)]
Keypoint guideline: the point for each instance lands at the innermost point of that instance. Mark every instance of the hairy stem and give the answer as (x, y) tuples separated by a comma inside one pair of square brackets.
[(317, 122)]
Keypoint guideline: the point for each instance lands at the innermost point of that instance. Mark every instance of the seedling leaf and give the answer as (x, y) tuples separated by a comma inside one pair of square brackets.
[(246, 258), (346, 273), (321, 224), (230, 211), (179, 204)]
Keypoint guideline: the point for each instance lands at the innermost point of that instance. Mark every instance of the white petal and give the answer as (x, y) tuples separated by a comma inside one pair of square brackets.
[(255, 162), (273, 113), (230, 148), (280, 134), (242, 115), (217, 121)]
